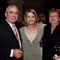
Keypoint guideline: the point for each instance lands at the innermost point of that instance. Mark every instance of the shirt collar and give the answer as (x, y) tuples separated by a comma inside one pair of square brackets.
[(10, 23)]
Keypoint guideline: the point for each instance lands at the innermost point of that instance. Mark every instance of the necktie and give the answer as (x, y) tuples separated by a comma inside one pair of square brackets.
[(16, 34)]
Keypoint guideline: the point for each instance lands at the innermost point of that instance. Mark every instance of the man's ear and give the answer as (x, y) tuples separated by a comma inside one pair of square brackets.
[(5, 14)]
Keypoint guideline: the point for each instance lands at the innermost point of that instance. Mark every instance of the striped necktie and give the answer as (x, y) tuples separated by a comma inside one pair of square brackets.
[(16, 34)]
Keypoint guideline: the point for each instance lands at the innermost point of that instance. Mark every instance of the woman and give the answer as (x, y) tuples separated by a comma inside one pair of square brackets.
[(41, 20), (31, 36), (51, 36)]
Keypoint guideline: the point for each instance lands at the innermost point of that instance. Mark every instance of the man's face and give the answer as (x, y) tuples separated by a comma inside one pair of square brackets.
[(12, 15)]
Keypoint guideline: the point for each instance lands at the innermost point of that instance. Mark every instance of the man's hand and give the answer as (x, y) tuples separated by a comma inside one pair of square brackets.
[(17, 53)]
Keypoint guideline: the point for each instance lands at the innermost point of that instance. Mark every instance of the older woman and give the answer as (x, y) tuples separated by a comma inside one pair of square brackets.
[(51, 36), (31, 35)]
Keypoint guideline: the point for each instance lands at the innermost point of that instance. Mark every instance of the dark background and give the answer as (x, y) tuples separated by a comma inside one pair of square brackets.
[(41, 6), (3, 5)]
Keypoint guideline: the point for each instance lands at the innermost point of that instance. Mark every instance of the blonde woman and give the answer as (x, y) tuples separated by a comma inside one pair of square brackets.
[(31, 35)]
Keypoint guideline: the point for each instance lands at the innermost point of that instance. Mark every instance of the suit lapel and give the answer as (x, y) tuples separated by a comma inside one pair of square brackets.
[(24, 35), (8, 28), (39, 34)]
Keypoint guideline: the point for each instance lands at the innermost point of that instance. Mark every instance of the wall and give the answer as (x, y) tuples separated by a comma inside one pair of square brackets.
[(18, 3)]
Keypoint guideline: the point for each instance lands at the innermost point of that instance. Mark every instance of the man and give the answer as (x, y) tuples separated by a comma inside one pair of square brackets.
[(10, 48)]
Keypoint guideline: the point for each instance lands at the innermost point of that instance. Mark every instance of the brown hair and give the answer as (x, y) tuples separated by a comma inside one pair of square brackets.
[(54, 10), (41, 18)]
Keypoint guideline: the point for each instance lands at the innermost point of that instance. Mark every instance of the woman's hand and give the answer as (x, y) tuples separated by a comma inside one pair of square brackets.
[(56, 57)]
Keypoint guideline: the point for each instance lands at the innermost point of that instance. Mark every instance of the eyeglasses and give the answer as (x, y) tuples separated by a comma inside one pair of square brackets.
[(54, 16)]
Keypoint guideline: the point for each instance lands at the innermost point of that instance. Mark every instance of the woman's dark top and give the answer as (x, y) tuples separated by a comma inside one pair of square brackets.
[(51, 42)]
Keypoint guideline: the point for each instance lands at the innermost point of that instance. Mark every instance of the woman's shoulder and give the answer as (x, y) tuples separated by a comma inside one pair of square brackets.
[(22, 28)]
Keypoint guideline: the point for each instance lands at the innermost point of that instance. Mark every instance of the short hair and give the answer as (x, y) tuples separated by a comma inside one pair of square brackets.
[(11, 6), (25, 15), (54, 10), (41, 18)]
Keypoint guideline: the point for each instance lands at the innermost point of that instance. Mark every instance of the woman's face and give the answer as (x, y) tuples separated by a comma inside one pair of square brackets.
[(30, 19), (54, 18)]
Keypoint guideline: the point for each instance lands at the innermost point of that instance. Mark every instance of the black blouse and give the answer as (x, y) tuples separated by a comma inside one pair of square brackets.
[(51, 42)]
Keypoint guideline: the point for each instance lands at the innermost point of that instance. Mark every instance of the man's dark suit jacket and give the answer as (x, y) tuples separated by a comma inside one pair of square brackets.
[(8, 41)]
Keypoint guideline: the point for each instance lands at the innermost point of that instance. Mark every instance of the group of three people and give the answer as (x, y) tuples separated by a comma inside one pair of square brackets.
[(29, 36)]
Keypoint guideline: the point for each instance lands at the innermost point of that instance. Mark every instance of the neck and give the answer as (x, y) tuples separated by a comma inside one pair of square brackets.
[(31, 28), (54, 25)]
